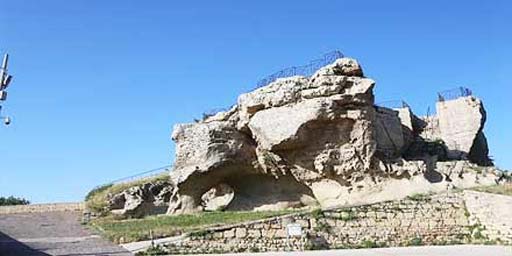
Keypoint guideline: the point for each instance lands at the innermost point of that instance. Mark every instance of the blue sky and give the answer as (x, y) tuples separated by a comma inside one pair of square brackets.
[(99, 84)]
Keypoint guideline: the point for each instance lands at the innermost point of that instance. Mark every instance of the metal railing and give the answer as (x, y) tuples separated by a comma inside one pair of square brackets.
[(305, 70), (393, 104), (454, 93), (143, 175)]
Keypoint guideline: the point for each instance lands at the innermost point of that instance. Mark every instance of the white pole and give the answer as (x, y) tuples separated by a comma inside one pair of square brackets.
[(4, 63), (3, 72), (3, 69)]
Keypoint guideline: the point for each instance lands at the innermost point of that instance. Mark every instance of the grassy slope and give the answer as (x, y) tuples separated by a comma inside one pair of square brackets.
[(132, 230), (505, 189), (169, 225), (97, 199)]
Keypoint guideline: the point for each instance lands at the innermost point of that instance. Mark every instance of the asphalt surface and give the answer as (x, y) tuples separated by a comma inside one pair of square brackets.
[(455, 250), (51, 233)]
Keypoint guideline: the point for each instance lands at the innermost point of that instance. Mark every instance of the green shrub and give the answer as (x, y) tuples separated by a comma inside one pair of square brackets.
[(478, 235), (476, 232), (13, 201), (417, 241), (440, 242), (153, 250), (348, 216), (461, 236), (417, 197), (466, 212), (316, 244), (254, 249), (199, 233), (317, 213), (490, 242), (369, 244), (322, 227)]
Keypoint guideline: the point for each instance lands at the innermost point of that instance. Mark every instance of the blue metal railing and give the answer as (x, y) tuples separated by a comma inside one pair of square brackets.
[(305, 70), (454, 93)]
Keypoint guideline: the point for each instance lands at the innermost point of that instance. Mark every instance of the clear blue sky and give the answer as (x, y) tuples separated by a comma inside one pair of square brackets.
[(99, 84)]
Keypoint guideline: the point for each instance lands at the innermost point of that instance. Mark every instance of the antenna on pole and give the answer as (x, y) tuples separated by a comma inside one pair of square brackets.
[(5, 80)]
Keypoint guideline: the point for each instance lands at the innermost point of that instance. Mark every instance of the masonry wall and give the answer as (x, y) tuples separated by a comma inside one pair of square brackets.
[(492, 213), (42, 208), (419, 220)]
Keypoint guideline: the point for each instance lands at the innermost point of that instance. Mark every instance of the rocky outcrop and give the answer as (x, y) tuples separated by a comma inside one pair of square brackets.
[(141, 200), (389, 133), (458, 125), (301, 141), (461, 123)]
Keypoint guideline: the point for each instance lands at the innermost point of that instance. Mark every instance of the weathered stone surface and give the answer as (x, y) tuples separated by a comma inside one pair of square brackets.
[(218, 197), (138, 201), (458, 125), (461, 123), (300, 141), (206, 153), (389, 133)]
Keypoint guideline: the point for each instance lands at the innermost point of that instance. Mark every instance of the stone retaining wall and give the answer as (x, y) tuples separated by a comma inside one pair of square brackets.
[(33, 208), (492, 212), (419, 220)]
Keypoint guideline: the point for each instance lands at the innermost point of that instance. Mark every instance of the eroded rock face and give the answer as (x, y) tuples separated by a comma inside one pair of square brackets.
[(303, 141), (207, 153), (389, 133), (458, 127), (218, 197), (278, 141), (461, 123), (138, 201)]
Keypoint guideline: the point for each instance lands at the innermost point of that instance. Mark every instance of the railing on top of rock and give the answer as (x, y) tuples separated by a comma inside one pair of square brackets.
[(305, 70), (212, 112), (393, 104), (454, 93)]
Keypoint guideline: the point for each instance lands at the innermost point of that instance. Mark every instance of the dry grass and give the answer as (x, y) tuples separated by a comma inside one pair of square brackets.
[(133, 230), (503, 189)]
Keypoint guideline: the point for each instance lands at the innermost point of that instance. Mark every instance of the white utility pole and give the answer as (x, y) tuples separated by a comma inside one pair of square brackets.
[(5, 79)]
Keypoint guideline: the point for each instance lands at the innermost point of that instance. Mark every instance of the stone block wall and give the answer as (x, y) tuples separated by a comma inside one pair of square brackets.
[(32, 208), (491, 213), (419, 220)]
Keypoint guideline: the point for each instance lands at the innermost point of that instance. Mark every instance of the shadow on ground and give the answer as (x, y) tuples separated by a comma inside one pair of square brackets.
[(12, 247)]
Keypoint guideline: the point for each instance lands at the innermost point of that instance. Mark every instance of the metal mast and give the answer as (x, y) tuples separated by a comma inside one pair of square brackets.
[(5, 79)]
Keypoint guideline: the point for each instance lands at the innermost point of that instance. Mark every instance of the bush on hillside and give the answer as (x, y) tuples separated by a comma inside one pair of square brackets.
[(13, 201), (97, 190)]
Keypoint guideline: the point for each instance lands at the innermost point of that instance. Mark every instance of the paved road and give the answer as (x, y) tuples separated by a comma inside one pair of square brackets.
[(462, 250), (51, 233)]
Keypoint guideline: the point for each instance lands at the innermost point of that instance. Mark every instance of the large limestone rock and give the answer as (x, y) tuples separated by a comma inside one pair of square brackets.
[(207, 153), (389, 132), (461, 123), (302, 141)]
